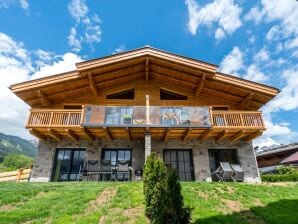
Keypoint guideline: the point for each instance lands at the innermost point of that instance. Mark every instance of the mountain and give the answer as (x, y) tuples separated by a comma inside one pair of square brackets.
[(15, 144)]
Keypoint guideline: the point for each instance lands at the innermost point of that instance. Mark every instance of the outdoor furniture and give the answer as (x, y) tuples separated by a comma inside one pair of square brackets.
[(224, 172), (82, 173), (238, 172), (138, 174), (92, 169), (123, 168), (105, 169)]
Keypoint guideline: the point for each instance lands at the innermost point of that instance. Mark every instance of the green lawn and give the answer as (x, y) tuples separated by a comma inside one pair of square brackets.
[(123, 203)]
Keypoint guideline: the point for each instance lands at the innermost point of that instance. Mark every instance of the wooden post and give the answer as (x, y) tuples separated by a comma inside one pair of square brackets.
[(147, 110), (147, 133)]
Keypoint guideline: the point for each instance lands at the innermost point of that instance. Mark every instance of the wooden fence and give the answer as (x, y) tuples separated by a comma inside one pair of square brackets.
[(21, 175)]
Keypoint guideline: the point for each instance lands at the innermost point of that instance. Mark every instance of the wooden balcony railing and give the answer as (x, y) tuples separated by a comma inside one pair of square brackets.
[(237, 119), (54, 118), (97, 116)]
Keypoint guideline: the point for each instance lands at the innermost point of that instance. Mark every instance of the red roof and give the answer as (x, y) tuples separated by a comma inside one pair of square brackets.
[(291, 159)]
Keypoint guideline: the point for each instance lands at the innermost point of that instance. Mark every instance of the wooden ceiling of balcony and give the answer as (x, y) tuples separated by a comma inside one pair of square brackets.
[(192, 76), (165, 134)]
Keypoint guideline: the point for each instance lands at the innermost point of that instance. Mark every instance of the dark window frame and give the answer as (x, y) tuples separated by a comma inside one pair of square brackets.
[(122, 95), (72, 150), (103, 151), (221, 150), (176, 96), (177, 162)]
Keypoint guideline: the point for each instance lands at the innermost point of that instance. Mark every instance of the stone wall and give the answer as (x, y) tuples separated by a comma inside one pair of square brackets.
[(46, 151)]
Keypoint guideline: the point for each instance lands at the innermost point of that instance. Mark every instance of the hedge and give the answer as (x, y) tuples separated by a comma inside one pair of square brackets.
[(280, 177)]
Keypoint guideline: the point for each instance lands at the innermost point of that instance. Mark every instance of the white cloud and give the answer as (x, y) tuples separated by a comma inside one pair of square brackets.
[(8, 3), (78, 9), (86, 29), (63, 64), (262, 55), (233, 62), (254, 14), (24, 4), (224, 13), (254, 74), (219, 34), (264, 141), (292, 43), (119, 49), (16, 65)]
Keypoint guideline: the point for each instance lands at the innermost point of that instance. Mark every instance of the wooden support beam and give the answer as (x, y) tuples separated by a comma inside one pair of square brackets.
[(88, 134), (37, 134), (43, 99), (238, 136), (54, 134), (246, 101), (107, 134), (147, 70), (200, 85), (206, 134), (127, 130), (92, 84), (167, 135), (72, 135), (253, 135), (222, 135), (186, 134)]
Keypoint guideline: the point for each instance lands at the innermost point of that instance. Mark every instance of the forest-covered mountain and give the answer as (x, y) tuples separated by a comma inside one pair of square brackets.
[(15, 144)]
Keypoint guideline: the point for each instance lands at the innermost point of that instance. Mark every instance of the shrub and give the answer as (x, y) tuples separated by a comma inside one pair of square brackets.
[(16, 161), (155, 177), (284, 173), (163, 198)]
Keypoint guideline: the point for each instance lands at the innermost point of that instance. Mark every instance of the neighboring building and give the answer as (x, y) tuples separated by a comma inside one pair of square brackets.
[(269, 160), (127, 105)]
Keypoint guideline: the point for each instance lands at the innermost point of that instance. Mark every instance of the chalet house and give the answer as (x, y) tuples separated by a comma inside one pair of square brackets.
[(127, 105)]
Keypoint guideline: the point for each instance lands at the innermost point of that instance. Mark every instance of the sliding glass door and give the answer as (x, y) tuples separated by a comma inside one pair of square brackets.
[(181, 161), (67, 164)]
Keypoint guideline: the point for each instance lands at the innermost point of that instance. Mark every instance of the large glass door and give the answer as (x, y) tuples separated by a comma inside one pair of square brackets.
[(67, 164), (181, 160)]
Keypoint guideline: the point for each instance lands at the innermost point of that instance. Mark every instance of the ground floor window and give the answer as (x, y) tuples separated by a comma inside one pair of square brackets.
[(181, 160), (222, 155), (67, 164), (114, 155)]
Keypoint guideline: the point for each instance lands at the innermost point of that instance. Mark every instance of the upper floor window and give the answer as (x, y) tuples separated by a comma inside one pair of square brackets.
[(168, 95), (72, 107), (127, 94)]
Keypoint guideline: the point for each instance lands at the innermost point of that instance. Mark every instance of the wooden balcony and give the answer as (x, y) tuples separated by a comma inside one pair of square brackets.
[(132, 122)]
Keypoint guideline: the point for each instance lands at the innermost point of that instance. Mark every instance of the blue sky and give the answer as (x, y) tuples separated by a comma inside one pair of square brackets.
[(256, 40)]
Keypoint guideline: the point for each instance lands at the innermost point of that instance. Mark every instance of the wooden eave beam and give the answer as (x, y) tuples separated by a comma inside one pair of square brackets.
[(205, 134), (246, 101), (54, 134), (107, 134), (128, 134), (222, 135), (72, 135), (92, 84), (253, 135), (88, 134), (238, 136), (37, 134), (186, 134), (167, 135), (43, 99), (200, 85), (147, 70)]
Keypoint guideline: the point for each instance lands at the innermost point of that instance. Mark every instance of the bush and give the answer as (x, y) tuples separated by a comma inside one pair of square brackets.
[(16, 161), (163, 198), (284, 174)]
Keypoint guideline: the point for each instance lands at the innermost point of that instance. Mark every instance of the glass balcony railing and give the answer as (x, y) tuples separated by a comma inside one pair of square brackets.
[(154, 116)]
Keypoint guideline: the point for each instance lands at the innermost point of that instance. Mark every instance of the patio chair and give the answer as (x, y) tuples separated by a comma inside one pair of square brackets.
[(224, 172), (123, 168), (82, 173), (92, 169), (238, 172), (105, 169)]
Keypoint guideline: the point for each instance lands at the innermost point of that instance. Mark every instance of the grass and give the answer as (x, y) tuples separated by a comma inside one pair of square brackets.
[(123, 202)]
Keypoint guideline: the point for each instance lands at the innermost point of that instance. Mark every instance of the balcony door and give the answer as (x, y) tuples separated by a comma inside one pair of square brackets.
[(181, 161), (67, 164)]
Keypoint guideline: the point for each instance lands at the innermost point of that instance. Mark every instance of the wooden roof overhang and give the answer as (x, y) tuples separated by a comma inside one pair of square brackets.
[(192, 76)]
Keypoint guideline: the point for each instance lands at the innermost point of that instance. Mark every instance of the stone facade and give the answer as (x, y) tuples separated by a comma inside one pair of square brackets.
[(43, 166)]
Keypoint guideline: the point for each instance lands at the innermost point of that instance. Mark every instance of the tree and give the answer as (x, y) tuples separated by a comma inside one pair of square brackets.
[(16, 161)]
